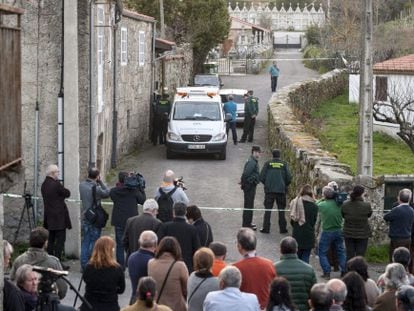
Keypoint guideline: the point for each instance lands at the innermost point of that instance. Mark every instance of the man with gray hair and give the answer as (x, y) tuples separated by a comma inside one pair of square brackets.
[(167, 195), (56, 215), (331, 235), (185, 234), (138, 261), (299, 274), (138, 224), (400, 220), (257, 272), (321, 298), (339, 292), (230, 298), (12, 297)]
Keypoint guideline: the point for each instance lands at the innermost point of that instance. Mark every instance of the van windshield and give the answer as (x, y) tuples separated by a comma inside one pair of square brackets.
[(206, 80), (197, 111)]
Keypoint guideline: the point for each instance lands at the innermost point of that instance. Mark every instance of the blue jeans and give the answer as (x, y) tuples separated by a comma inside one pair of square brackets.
[(90, 235), (336, 239), (120, 257), (304, 254)]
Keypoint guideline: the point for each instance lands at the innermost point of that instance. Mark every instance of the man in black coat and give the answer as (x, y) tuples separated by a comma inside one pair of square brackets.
[(185, 234), (56, 214), (125, 200)]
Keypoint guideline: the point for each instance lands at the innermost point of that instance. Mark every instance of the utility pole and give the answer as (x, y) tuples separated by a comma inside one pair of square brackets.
[(365, 95), (162, 19)]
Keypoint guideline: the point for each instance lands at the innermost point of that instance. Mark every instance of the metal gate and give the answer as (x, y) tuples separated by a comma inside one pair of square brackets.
[(10, 85), (228, 66)]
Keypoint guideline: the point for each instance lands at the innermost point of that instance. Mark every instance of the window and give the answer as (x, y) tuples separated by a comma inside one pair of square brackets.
[(124, 46), (141, 48), (100, 54), (381, 88)]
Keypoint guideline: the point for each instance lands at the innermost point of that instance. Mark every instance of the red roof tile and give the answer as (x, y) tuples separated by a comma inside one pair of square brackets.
[(399, 65), (250, 24)]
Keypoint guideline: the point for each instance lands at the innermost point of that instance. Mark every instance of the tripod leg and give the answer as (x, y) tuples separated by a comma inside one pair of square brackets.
[(16, 234), (79, 288), (28, 217)]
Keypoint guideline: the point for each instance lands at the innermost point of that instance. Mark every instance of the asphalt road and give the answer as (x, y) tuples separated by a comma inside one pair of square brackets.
[(213, 183)]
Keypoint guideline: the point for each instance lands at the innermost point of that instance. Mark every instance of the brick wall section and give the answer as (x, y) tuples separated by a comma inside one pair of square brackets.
[(308, 161)]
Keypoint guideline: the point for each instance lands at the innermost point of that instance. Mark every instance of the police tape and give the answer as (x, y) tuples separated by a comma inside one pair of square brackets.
[(18, 196)]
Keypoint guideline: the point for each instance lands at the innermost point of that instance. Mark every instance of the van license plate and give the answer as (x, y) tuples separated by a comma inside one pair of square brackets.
[(196, 146)]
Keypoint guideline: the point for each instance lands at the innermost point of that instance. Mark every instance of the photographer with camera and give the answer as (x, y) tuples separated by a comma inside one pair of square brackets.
[(170, 192), (128, 192)]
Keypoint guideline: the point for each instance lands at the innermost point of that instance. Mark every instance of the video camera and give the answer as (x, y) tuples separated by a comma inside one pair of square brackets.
[(48, 279), (134, 181), (179, 182)]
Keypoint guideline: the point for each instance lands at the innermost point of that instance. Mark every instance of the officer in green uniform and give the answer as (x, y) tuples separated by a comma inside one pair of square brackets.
[(160, 122), (276, 177), (248, 182), (251, 109)]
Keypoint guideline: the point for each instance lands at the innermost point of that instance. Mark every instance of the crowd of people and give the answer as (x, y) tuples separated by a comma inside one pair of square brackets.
[(175, 263)]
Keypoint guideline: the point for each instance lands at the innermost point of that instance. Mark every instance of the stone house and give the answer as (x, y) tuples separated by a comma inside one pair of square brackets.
[(87, 79), (393, 80)]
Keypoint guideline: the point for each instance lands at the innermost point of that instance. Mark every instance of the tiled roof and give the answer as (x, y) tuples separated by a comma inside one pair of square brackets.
[(250, 24), (399, 65), (138, 16)]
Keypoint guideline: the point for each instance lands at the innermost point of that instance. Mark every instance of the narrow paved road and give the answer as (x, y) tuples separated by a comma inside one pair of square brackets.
[(214, 183)]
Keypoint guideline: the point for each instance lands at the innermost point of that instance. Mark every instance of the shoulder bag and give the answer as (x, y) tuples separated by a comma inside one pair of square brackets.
[(165, 280), (95, 214)]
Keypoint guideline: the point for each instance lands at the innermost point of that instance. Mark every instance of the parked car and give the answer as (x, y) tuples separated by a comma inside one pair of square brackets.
[(197, 123), (209, 80), (237, 98)]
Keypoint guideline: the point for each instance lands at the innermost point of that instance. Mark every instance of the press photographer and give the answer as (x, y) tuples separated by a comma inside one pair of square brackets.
[(129, 191), (170, 192)]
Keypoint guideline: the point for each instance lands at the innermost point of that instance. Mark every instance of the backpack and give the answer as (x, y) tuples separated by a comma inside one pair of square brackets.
[(135, 181), (165, 205)]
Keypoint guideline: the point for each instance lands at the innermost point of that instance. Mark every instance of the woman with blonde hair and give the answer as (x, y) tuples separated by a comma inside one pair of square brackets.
[(170, 273), (104, 277)]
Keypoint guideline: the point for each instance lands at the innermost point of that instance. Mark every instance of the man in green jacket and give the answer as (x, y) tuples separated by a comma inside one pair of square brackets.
[(276, 177), (331, 223), (248, 182), (251, 110), (300, 275)]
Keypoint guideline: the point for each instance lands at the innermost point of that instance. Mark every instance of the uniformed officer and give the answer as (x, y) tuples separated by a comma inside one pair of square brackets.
[(248, 182), (251, 109), (276, 177), (160, 122)]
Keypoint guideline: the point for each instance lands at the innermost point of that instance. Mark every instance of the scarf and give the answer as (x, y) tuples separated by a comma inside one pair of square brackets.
[(297, 211)]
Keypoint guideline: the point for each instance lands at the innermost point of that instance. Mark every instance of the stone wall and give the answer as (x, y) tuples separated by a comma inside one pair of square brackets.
[(309, 162), (178, 68), (288, 112)]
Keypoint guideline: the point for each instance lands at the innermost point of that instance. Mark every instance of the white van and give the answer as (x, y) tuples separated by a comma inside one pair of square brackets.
[(197, 123)]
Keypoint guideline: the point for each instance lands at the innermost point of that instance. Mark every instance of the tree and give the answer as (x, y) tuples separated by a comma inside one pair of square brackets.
[(203, 23), (395, 104)]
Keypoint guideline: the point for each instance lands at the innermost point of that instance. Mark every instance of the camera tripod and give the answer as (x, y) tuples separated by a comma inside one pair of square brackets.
[(28, 204)]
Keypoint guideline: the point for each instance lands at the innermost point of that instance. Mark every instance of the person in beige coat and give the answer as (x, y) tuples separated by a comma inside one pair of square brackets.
[(170, 273), (146, 293)]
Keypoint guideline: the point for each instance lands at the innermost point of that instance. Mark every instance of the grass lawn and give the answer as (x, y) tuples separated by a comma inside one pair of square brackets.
[(337, 129)]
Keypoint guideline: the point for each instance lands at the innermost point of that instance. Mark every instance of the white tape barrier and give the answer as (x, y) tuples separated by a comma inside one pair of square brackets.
[(18, 196)]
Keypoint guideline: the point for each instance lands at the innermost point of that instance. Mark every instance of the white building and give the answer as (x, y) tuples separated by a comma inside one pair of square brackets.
[(283, 18), (393, 82)]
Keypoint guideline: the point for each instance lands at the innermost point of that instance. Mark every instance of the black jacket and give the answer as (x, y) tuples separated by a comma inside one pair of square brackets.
[(125, 204), (56, 214), (186, 235), (204, 232)]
